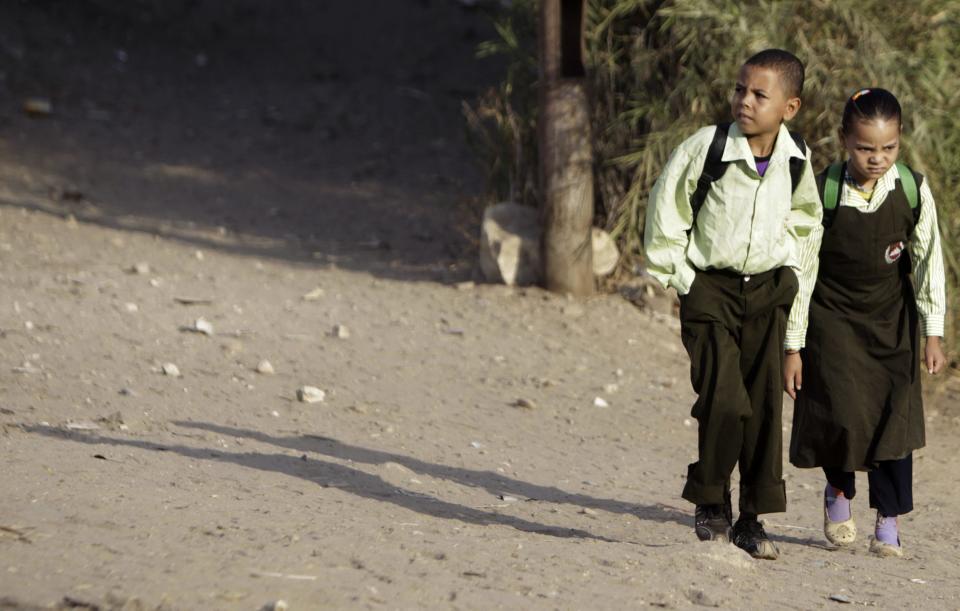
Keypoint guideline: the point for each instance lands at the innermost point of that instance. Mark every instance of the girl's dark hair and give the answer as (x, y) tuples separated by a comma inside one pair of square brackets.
[(869, 104)]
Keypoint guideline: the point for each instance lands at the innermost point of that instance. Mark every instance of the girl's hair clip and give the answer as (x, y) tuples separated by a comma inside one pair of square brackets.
[(854, 97)]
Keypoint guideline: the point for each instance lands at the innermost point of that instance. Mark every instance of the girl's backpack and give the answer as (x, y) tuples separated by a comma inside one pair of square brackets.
[(909, 180)]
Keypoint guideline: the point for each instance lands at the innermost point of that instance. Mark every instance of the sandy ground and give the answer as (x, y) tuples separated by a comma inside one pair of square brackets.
[(265, 170)]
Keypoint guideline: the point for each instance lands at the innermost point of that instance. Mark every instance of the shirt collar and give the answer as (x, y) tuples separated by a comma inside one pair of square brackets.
[(737, 147), (885, 184)]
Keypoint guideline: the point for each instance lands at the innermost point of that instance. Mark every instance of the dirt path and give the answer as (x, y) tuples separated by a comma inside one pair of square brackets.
[(169, 187)]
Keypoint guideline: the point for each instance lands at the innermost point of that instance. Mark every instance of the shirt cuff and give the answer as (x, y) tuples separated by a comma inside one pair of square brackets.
[(933, 325), (795, 339), (684, 279)]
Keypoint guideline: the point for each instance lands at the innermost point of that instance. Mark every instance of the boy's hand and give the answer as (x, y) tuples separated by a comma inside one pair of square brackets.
[(792, 373), (933, 356)]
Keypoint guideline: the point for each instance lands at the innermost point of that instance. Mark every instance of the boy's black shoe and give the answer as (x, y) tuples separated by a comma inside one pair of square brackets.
[(711, 523), (749, 536)]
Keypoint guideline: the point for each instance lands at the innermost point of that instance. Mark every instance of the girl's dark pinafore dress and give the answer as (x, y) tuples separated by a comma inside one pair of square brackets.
[(860, 402)]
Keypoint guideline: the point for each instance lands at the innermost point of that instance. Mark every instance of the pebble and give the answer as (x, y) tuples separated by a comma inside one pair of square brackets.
[(171, 370), (131, 307), (340, 331), (265, 367), (310, 394), (313, 295), (141, 269), (525, 403), (600, 402), (276, 605), (476, 444), (611, 389), (202, 325)]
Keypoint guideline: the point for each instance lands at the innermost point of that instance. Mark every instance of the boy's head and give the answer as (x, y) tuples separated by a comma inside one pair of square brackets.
[(767, 92)]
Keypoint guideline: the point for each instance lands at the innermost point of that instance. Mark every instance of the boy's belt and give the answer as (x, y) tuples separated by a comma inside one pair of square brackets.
[(729, 273)]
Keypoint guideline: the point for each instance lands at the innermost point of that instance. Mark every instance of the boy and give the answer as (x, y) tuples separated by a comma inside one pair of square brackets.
[(737, 235)]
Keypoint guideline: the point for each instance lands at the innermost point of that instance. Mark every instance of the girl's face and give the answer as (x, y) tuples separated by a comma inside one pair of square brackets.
[(872, 146)]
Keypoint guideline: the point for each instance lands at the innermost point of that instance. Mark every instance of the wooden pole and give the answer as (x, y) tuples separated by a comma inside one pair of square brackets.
[(566, 162)]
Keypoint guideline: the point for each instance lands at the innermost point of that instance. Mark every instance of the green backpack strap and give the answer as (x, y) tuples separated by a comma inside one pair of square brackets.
[(831, 192), (909, 184)]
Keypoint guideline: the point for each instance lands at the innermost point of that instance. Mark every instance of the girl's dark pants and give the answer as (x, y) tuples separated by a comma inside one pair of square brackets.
[(891, 485), (733, 328)]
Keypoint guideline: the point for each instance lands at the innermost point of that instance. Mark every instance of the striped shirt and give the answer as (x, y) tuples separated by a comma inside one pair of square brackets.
[(925, 253), (747, 224)]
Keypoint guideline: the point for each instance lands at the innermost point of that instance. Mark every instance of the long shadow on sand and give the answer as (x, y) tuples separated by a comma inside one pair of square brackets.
[(331, 475), (494, 483)]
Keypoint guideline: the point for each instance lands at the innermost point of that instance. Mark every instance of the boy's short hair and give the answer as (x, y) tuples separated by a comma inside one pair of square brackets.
[(786, 64)]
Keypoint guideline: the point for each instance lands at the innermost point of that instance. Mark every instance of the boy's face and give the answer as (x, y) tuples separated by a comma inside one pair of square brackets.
[(760, 102)]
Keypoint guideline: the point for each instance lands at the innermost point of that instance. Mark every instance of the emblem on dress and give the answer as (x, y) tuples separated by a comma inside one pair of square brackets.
[(893, 252)]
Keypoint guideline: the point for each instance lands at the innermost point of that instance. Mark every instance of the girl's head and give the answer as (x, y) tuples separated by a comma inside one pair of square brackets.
[(870, 132)]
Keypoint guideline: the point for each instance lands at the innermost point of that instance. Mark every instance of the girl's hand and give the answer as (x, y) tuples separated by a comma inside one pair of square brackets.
[(792, 373), (933, 356)]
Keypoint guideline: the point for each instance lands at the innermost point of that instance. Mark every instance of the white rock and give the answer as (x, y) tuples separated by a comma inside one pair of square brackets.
[(202, 325), (510, 244), (476, 444), (310, 394), (340, 331), (265, 367), (313, 295), (605, 253), (131, 307), (171, 370), (141, 269), (600, 402), (199, 255)]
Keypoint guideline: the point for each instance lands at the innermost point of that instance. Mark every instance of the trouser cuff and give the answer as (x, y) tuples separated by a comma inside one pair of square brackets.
[(769, 498), (704, 494)]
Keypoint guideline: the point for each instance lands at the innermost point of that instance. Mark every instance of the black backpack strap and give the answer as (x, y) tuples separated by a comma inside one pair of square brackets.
[(713, 169), (796, 163)]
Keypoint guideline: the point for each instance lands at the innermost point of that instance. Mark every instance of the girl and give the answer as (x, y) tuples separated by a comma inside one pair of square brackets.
[(860, 408)]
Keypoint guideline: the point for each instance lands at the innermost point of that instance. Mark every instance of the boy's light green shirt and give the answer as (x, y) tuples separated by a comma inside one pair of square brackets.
[(747, 224)]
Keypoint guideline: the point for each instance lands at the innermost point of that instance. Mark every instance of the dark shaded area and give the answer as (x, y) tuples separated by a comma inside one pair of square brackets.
[(571, 39), (493, 483), (329, 474), (313, 131)]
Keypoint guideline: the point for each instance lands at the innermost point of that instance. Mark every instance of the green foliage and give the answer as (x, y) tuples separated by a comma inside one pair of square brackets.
[(502, 123), (659, 69)]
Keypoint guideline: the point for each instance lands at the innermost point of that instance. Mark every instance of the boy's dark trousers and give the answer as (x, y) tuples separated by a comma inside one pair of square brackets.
[(733, 328)]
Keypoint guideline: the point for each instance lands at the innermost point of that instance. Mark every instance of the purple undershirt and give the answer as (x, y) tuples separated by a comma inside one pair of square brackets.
[(762, 163)]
